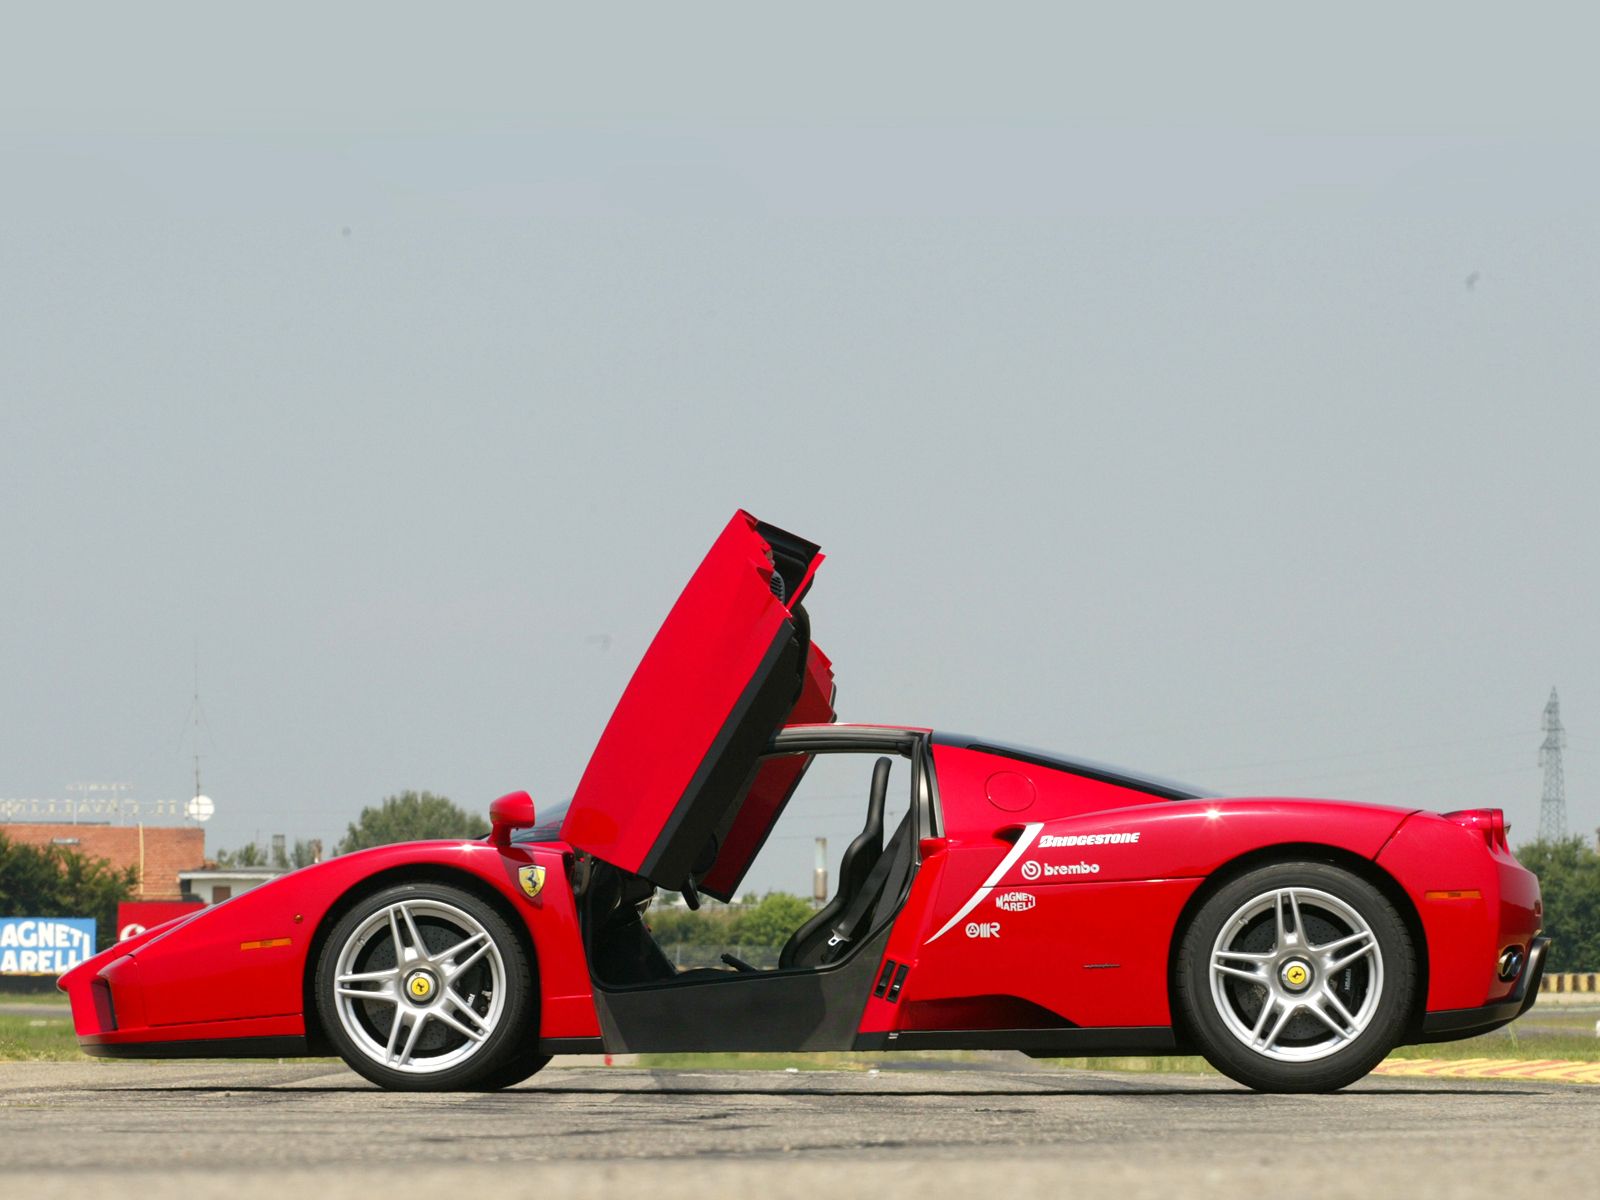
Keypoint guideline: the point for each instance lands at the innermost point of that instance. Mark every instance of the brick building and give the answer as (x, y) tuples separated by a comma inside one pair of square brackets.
[(160, 852)]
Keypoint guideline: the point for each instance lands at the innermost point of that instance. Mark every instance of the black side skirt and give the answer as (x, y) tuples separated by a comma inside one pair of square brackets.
[(576, 1045), (242, 1047), (1036, 1043)]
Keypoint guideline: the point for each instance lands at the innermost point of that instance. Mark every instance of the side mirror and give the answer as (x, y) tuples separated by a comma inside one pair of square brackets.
[(514, 810)]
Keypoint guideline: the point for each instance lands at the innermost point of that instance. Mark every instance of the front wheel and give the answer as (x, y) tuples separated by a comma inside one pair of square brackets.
[(1296, 977), (424, 987)]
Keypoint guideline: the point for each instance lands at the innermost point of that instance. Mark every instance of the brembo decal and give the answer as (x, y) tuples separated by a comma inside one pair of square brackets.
[(1029, 833), (1015, 901), (1052, 841), (1051, 870)]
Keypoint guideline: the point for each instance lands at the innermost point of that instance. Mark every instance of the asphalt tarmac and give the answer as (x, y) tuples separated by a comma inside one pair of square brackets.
[(318, 1132)]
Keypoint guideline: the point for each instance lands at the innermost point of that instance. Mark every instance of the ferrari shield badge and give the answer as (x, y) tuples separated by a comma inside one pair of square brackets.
[(531, 879)]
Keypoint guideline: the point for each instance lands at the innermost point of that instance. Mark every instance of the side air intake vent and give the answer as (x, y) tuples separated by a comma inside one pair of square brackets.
[(890, 980)]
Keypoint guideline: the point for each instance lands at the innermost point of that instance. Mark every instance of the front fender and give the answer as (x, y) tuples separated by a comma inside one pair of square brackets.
[(245, 960)]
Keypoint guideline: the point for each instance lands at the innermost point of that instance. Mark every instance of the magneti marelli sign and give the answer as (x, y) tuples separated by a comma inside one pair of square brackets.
[(44, 945)]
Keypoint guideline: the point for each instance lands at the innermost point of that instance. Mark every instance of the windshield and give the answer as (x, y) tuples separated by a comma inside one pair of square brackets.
[(549, 827)]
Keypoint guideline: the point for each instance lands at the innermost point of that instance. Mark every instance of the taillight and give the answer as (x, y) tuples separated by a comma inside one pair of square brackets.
[(1491, 822)]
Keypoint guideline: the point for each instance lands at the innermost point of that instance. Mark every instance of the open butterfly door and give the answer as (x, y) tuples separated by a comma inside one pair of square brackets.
[(664, 792)]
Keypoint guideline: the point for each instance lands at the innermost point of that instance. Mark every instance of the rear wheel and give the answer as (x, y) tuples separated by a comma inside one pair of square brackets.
[(1296, 977), (424, 987)]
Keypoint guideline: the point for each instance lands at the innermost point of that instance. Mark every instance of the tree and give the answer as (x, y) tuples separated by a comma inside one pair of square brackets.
[(1569, 880), (56, 881), (248, 855), (681, 927), (303, 854), (770, 922), (411, 817), (766, 923)]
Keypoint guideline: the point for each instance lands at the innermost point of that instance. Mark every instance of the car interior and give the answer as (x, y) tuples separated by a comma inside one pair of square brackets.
[(873, 874)]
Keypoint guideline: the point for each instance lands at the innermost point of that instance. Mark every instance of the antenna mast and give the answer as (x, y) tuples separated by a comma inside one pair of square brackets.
[(195, 706), (200, 807), (1553, 803)]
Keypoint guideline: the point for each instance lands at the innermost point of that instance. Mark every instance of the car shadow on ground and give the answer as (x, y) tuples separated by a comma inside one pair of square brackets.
[(1219, 1091)]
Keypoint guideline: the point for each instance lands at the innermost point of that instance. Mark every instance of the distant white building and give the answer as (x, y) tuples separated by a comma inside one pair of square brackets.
[(213, 885)]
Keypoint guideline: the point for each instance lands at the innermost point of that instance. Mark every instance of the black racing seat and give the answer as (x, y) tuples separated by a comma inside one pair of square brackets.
[(879, 898), (806, 946)]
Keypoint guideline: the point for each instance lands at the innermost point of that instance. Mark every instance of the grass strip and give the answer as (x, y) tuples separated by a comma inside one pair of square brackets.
[(39, 1039)]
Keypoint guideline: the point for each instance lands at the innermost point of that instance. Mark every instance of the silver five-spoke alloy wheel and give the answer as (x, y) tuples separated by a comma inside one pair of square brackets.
[(1296, 974), (419, 986)]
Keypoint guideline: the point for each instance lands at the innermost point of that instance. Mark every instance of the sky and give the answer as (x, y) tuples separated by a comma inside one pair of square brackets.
[(1213, 393)]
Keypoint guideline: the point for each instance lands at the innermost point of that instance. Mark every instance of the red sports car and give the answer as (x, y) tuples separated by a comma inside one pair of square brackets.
[(1026, 900)]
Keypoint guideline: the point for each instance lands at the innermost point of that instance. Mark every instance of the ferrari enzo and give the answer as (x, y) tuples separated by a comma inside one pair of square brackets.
[(1025, 900)]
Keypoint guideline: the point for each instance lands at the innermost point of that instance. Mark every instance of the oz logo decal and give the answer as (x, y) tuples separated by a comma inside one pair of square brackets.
[(1030, 870)]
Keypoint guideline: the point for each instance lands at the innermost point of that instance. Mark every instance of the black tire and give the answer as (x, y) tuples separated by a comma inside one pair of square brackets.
[(505, 1048), (518, 1066), (1228, 1017)]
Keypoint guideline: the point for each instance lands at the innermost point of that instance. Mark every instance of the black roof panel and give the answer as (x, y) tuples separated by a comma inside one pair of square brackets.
[(1136, 781)]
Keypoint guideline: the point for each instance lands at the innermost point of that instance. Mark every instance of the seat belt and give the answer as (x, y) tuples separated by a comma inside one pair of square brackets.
[(845, 928)]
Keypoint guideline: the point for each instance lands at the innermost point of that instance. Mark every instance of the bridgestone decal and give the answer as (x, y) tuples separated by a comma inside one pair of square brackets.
[(1051, 841)]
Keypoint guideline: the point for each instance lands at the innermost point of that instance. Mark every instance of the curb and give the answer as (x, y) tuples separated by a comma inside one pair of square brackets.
[(1567, 982), (1549, 1070)]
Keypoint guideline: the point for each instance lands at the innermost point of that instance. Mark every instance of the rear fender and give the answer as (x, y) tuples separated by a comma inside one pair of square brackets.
[(1308, 852), (1190, 838), (1079, 913), (1473, 900)]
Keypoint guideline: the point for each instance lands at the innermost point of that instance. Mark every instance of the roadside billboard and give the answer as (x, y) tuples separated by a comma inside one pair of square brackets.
[(135, 916), (44, 945)]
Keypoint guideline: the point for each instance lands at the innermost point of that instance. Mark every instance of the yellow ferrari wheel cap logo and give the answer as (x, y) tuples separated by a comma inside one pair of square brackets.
[(1295, 976), (531, 879), (420, 986)]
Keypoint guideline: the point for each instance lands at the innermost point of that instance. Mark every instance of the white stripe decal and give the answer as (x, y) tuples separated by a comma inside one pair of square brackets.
[(1029, 832)]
